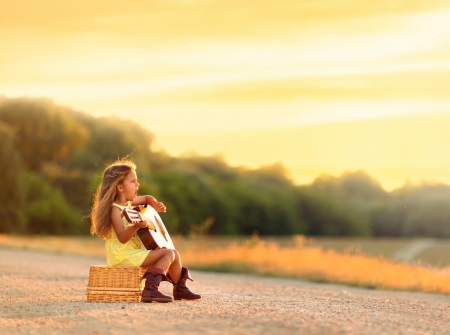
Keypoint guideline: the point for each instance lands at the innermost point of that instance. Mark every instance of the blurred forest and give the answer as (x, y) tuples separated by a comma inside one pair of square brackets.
[(52, 159)]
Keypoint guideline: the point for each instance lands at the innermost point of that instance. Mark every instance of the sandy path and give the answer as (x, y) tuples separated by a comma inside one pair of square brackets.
[(45, 294), (410, 252)]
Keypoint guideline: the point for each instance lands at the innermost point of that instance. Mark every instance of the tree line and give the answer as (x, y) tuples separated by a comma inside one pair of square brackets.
[(52, 158)]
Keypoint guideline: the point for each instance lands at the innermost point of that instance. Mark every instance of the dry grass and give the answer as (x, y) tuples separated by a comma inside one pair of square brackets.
[(314, 263), (84, 246), (297, 260)]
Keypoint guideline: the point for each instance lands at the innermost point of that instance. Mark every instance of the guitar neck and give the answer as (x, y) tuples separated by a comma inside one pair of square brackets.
[(132, 216)]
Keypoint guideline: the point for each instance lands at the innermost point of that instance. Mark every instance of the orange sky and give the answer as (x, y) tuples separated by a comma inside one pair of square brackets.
[(322, 86)]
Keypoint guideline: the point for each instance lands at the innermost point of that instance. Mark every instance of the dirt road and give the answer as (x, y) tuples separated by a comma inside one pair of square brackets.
[(45, 294)]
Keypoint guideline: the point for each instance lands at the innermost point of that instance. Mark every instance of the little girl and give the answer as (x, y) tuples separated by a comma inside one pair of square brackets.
[(117, 191)]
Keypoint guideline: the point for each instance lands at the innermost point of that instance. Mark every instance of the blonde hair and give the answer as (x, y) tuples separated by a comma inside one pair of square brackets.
[(105, 195)]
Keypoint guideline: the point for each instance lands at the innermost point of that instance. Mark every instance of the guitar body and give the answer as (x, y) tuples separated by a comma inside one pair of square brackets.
[(154, 238)]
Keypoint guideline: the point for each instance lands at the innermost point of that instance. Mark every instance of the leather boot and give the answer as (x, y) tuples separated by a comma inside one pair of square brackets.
[(154, 276), (180, 290)]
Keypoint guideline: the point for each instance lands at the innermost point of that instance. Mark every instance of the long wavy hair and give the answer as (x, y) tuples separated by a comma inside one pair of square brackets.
[(105, 195)]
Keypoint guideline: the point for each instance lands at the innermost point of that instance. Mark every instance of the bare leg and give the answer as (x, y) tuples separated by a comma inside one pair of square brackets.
[(175, 268), (161, 258)]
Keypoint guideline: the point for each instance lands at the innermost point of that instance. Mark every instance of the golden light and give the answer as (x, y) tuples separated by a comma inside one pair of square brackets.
[(320, 86)]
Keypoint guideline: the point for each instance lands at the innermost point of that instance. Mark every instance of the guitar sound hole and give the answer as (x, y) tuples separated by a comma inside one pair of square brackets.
[(163, 232)]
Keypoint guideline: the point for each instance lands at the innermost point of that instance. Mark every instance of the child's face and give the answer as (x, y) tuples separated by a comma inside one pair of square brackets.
[(130, 186)]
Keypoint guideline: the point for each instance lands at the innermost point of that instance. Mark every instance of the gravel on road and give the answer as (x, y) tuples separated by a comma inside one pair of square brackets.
[(44, 293)]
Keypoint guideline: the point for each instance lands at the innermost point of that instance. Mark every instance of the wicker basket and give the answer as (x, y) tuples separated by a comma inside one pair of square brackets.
[(113, 296), (107, 284)]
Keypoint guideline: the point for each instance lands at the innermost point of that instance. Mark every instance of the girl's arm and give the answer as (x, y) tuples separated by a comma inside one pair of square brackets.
[(149, 200), (124, 235)]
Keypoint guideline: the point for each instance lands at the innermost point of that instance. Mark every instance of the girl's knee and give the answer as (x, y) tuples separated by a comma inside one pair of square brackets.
[(169, 253), (177, 255)]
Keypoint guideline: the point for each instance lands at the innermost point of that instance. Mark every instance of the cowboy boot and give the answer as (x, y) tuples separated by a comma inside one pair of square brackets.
[(154, 276), (180, 290)]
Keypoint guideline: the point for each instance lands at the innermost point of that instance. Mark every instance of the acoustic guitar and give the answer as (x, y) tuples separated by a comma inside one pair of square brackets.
[(155, 236)]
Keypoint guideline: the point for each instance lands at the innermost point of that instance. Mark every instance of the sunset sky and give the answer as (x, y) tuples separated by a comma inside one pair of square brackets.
[(322, 86)]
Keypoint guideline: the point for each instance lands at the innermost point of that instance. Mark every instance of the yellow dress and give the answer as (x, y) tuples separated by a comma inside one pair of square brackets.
[(124, 255)]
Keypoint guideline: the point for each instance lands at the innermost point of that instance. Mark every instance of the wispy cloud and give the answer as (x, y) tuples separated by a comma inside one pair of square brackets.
[(217, 66)]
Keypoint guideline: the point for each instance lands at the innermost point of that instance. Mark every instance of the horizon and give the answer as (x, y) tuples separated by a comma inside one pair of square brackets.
[(322, 88)]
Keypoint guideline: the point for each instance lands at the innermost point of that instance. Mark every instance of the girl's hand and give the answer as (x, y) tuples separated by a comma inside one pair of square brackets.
[(157, 205), (141, 224)]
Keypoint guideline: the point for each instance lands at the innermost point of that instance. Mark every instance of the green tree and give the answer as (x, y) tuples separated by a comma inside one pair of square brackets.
[(111, 138), (326, 216), (357, 186), (44, 131), (415, 210), (75, 184), (12, 193), (47, 210)]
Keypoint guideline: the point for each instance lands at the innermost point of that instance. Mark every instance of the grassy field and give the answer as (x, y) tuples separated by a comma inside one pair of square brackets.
[(353, 261), (436, 256)]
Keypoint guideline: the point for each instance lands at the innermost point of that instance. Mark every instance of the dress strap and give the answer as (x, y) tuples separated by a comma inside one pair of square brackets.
[(119, 206), (128, 205)]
